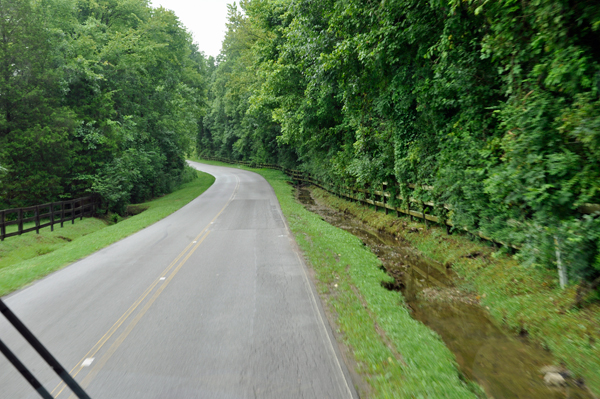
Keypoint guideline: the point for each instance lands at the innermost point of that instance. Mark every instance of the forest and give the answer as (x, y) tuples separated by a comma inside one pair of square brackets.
[(95, 97), (489, 107)]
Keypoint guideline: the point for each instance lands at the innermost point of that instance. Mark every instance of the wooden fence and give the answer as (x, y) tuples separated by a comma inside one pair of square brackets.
[(46, 215), (379, 197)]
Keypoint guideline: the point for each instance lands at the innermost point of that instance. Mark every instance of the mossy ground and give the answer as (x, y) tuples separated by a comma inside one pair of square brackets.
[(31, 256)]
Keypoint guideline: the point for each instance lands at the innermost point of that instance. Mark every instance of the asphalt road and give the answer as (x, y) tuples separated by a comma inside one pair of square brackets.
[(211, 302)]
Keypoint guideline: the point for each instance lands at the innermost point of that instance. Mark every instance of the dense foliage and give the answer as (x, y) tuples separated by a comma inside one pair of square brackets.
[(95, 95), (493, 104)]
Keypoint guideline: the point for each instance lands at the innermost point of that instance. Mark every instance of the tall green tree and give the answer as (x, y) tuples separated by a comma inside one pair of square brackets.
[(35, 128), (491, 108), (104, 96)]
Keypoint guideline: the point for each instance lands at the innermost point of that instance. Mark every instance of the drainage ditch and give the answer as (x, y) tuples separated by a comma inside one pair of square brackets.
[(506, 366)]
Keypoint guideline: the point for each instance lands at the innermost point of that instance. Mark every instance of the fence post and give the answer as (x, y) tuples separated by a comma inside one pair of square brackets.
[(20, 216), (562, 269), (374, 198), (73, 212), (52, 216), (2, 226), (384, 198), (82, 208), (62, 213), (37, 219)]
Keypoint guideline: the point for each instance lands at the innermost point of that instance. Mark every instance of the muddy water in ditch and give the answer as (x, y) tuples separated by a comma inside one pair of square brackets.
[(504, 365)]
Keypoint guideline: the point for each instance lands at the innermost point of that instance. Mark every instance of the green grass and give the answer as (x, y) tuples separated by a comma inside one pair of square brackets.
[(14, 250), (523, 299), (396, 355), (28, 257)]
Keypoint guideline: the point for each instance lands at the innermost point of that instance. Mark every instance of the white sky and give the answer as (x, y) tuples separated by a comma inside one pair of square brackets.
[(204, 18)]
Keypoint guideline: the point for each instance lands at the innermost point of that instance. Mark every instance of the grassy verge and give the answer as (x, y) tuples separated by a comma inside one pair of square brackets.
[(26, 258), (396, 355), (524, 299)]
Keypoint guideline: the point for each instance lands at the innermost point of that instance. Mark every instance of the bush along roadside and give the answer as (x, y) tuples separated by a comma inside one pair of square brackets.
[(396, 355), (26, 258), (527, 300)]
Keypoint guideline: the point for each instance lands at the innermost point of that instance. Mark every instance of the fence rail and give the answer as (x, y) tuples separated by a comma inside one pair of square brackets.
[(379, 197), (46, 215)]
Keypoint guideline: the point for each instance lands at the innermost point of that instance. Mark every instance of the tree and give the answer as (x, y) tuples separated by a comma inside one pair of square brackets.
[(494, 105), (91, 89)]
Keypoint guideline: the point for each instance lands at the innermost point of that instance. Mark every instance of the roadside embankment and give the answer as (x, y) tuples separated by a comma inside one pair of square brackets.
[(26, 258), (526, 301)]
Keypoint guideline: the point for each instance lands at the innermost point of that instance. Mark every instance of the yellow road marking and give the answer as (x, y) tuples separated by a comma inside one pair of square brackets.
[(113, 348), (119, 322), (78, 367)]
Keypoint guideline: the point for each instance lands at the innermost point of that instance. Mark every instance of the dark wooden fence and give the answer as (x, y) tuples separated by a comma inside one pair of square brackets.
[(379, 196), (46, 215)]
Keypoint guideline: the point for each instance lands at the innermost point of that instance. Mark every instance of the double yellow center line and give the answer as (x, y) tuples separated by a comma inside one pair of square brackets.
[(180, 260)]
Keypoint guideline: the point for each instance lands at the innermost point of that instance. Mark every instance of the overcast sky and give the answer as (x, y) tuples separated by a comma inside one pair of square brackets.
[(204, 18)]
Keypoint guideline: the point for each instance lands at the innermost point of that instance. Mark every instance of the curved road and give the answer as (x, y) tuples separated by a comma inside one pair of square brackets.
[(211, 302)]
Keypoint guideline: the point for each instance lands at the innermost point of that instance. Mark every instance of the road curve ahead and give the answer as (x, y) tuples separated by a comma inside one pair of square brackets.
[(211, 302)]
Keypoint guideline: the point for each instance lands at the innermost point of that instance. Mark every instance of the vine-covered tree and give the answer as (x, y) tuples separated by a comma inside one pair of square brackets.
[(496, 105)]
